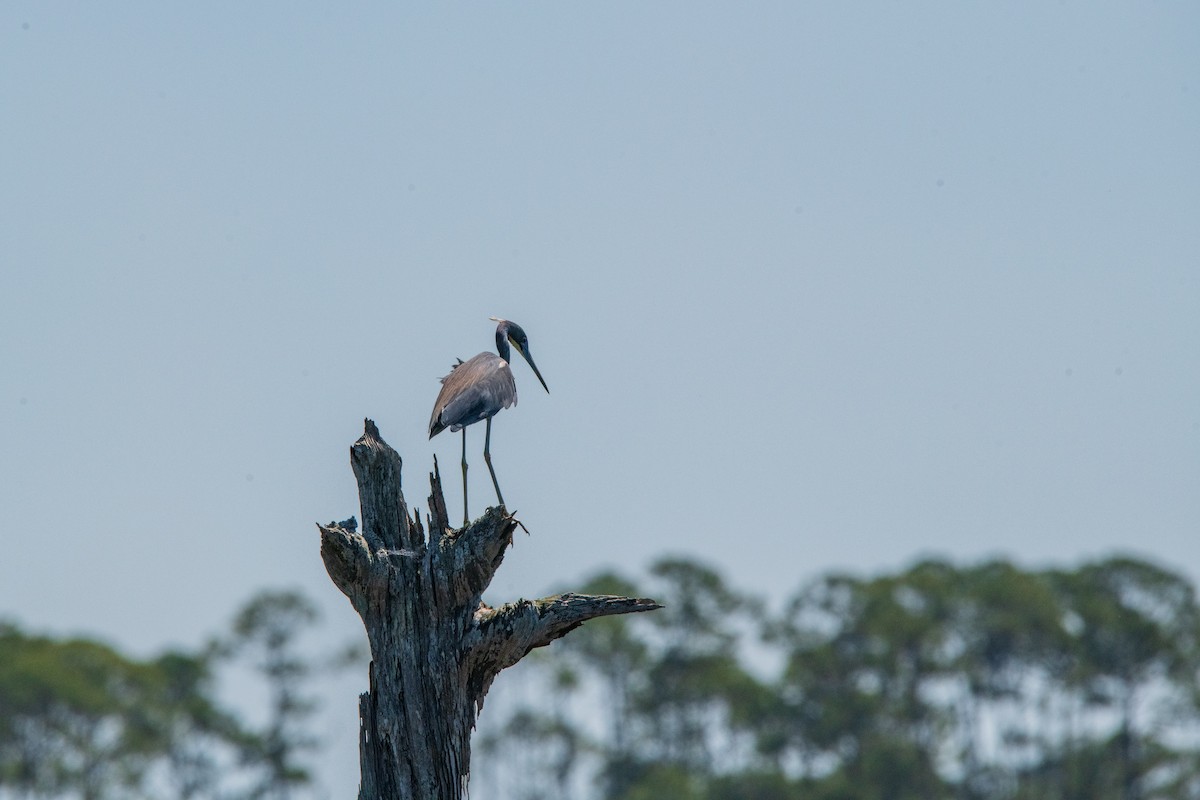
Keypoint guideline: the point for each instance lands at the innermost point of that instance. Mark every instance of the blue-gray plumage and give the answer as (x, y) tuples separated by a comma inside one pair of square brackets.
[(478, 389)]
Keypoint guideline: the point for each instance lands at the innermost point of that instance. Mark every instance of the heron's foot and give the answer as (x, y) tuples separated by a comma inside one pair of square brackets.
[(513, 517)]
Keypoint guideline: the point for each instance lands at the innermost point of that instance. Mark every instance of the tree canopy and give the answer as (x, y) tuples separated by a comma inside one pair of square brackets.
[(79, 719), (979, 682)]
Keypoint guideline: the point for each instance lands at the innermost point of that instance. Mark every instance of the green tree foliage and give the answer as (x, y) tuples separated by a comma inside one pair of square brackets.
[(78, 719), (984, 682), (266, 631)]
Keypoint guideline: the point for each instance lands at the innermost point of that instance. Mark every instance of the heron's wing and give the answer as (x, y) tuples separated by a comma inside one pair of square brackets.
[(474, 390)]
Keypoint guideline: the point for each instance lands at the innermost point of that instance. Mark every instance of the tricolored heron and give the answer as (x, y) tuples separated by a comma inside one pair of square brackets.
[(479, 389)]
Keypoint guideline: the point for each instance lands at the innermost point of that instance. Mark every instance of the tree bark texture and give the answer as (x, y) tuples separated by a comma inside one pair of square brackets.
[(435, 646)]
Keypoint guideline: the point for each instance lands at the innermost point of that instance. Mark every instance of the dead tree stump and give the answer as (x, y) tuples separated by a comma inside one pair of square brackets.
[(435, 646)]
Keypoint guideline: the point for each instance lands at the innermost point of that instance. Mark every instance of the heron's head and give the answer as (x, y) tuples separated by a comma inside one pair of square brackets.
[(510, 331)]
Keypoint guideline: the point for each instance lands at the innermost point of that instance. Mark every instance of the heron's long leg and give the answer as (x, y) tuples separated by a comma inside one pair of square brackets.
[(466, 515), (487, 456)]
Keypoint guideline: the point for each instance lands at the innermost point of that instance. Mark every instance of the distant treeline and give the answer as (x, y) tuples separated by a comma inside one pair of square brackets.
[(985, 682), (78, 719)]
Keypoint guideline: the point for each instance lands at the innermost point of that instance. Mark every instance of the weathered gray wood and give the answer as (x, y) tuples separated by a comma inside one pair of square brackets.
[(435, 647)]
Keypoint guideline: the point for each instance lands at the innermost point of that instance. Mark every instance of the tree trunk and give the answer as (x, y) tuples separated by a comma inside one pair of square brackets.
[(435, 646)]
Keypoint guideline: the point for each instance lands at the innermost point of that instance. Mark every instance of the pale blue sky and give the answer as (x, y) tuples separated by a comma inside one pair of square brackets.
[(813, 286)]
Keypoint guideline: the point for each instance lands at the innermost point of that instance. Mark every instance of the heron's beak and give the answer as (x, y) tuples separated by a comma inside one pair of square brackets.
[(524, 351)]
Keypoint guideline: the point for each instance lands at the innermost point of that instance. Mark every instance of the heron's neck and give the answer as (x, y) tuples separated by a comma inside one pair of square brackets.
[(502, 344)]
